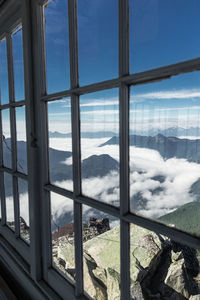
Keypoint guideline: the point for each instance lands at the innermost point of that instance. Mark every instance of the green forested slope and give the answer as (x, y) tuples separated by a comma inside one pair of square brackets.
[(186, 217)]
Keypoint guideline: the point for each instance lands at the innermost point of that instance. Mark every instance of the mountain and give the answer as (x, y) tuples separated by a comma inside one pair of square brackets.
[(93, 166), (195, 190), (185, 218), (159, 267), (168, 147), (86, 135), (171, 131)]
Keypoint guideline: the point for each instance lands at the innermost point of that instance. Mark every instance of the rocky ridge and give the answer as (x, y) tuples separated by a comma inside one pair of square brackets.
[(159, 267)]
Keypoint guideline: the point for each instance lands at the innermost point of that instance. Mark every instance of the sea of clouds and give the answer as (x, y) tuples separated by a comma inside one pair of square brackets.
[(145, 164)]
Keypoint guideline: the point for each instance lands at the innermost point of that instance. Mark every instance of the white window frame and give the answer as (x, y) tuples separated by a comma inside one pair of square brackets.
[(36, 261)]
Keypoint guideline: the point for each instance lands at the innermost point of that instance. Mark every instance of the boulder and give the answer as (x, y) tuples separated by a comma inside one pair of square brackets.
[(159, 268)]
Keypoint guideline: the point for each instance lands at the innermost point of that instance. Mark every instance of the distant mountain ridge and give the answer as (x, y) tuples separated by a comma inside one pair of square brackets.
[(171, 131), (88, 135), (168, 147), (93, 166)]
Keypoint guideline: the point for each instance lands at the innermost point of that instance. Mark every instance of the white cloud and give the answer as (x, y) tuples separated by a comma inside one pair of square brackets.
[(145, 164), (171, 94)]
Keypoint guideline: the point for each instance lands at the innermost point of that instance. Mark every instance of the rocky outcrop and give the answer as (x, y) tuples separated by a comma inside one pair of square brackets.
[(159, 268)]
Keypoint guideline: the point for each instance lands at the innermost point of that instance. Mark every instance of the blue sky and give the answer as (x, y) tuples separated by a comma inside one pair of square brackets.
[(161, 32)]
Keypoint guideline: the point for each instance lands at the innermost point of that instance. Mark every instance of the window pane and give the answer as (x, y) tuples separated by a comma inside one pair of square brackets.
[(100, 159), (62, 221), (98, 40), (18, 64), (57, 46), (163, 32), (60, 143), (4, 73), (101, 254), (9, 200), (21, 139), (7, 152), (161, 268), (164, 151), (24, 209)]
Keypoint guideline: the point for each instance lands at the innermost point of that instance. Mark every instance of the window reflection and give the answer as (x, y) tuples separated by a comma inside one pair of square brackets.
[(7, 150), (4, 73), (98, 40), (60, 143), (161, 268), (24, 209), (57, 46), (164, 151), (18, 64), (8, 181), (101, 254), (62, 227), (99, 114), (21, 139), (163, 33)]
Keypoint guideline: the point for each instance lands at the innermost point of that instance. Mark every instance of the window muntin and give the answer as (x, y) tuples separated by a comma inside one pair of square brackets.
[(160, 35)]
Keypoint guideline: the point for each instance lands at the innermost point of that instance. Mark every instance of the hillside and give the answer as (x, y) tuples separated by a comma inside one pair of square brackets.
[(185, 218)]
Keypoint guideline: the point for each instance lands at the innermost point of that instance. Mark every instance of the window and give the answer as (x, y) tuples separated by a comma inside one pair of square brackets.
[(99, 141)]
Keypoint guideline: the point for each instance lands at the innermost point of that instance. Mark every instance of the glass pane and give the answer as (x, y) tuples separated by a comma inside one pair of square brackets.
[(164, 151), (24, 209), (163, 32), (98, 40), (101, 254), (161, 268), (9, 200), (21, 139), (57, 46), (4, 73), (7, 152), (18, 64), (60, 142), (100, 159), (62, 222)]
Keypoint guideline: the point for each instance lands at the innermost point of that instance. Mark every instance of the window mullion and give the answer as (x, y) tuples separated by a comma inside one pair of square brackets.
[(32, 96), (13, 132), (74, 79), (124, 148)]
